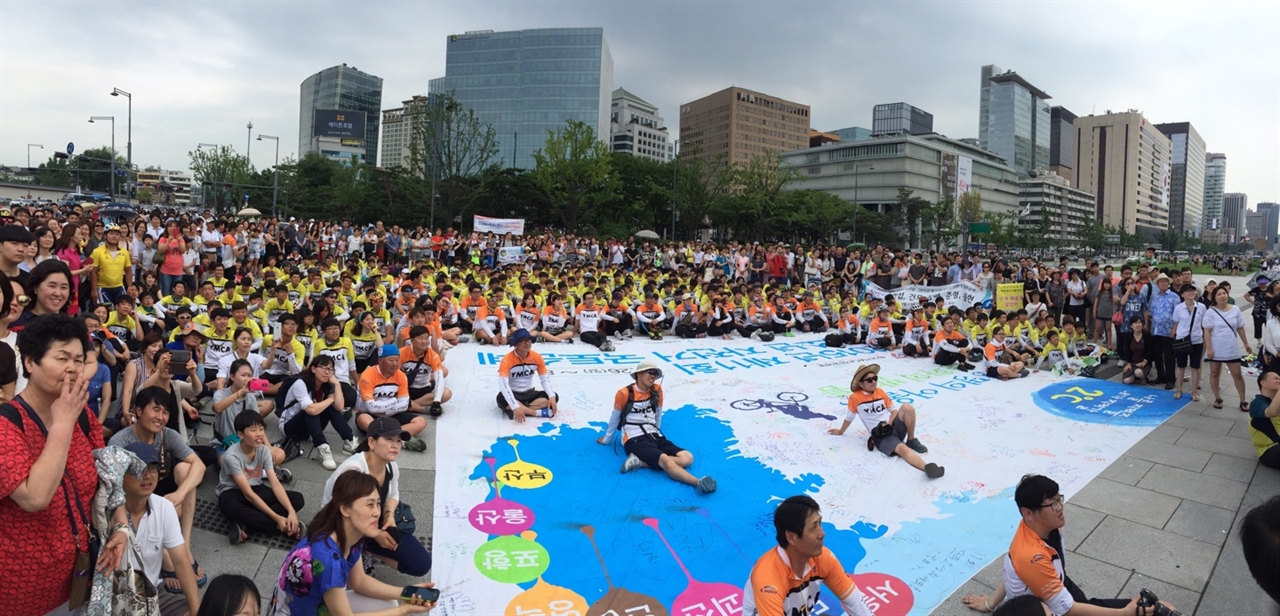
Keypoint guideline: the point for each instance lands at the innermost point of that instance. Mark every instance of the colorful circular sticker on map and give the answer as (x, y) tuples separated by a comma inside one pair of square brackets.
[(1098, 401)]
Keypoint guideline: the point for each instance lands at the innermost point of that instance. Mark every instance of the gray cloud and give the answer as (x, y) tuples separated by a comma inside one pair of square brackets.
[(200, 71)]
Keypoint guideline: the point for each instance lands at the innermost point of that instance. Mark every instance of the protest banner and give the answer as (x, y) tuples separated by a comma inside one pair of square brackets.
[(962, 294), (501, 226), (1009, 296)]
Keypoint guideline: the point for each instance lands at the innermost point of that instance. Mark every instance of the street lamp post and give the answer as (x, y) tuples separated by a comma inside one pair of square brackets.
[(113, 150), (29, 146), (204, 194), (275, 179), (868, 167), (674, 186), (129, 133), (248, 142)]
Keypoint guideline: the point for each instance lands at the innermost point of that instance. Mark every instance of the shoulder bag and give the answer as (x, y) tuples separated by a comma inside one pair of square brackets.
[(132, 593), (1183, 344)]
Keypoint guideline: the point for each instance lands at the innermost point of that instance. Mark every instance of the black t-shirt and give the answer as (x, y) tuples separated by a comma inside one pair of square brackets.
[(916, 272), (8, 365), (838, 262)]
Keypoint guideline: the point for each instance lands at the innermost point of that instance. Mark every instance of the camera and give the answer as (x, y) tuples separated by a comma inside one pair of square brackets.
[(1148, 599), (883, 430)]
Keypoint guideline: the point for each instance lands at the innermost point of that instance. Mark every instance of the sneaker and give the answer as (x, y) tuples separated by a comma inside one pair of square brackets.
[(350, 446), (631, 464), (235, 534), (483, 341), (1024, 374), (326, 457), (415, 444), (917, 446), (706, 485), (284, 475), (568, 340), (435, 410), (463, 339), (933, 471), (964, 366), (626, 334), (755, 335), (607, 346)]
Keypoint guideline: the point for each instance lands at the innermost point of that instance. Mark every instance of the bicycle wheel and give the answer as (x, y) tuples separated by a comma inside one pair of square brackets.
[(747, 405), (793, 396)]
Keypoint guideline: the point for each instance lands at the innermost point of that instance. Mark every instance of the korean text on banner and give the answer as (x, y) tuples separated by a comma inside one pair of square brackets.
[(510, 254), (501, 226), (1009, 296), (962, 294)]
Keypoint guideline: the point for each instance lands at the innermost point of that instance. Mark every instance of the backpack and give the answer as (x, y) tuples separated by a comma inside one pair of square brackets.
[(631, 402), (282, 394), (834, 340), (10, 411)]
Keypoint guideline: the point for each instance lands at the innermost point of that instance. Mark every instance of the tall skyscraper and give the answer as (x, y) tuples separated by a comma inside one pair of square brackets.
[(1123, 160), (398, 131), (635, 128), (1186, 178), (343, 136), (1062, 142), (740, 123), (1233, 208), (1215, 183), (529, 82), (1014, 119), (900, 119), (1271, 228)]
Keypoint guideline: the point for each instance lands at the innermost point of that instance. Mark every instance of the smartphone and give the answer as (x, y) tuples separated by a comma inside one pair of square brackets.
[(259, 385), (430, 595), (178, 362)]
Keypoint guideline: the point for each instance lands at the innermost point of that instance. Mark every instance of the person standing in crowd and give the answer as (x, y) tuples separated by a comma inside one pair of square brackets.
[(1222, 324), (1160, 318), (15, 241), (377, 457), (112, 266), (1188, 340)]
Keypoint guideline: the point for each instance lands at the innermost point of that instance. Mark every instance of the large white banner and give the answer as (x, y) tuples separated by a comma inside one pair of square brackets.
[(961, 294), (535, 518), (501, 226), (964, 176), (510, 254)]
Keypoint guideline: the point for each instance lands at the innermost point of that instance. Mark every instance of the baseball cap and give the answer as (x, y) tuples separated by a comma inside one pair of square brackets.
[(384, 427), (389, 350), (519, 335), (144, 451)]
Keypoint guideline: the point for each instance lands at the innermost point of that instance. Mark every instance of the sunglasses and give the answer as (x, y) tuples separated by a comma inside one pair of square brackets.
[(23, 300), (870, 379)]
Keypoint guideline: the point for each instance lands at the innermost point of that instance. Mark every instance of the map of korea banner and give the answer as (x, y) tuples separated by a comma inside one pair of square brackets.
[(536, 518)]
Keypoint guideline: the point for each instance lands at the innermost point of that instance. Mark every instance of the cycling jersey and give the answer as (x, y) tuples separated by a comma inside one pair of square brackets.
[(1033, 567), (915, 331), (774, 590), (759, 315), (383, 395), (342, 352), (216, 347), (527, 318), (122, 328), (589, 317), (872, 408), (493, 321), (554, 319), (645, 416), (879, 329), (421, 371), (943, 341), (516, 373), (288, 361), (993, 351)]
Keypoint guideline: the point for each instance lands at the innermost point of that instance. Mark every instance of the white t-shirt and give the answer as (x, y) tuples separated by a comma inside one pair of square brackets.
[(1222, 326), (358, 462), (157, 531)]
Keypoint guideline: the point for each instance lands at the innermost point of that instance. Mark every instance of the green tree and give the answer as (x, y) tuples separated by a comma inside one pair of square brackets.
[(146, 195), (756, 188), (56, 172), (575, 170), (969, 212), (908, 213), (644, 196), (702, 186), (94, 166), (452, 144), (938, 224), (223, 174)]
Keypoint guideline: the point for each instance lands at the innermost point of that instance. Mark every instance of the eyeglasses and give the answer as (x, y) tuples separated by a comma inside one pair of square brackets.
[(870, 379), (22, 300), (1054, 503)]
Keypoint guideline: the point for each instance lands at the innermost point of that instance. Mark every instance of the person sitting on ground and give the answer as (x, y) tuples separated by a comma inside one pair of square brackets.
[(1264, 419), (491, 323), (1138, 368), (249, 488), (880, 331), (1260, 538), (231, 595), (650, 316), (892, 431), (322, 574), (425, 373), (1036, 562), (377, 456), (517, 397), (238, 397), (591, 318), (313, 401), (950, 346), (181, 470), (996, 356), (785, 580), (915, 334), (158, 533), (637, 415), (384, 392)]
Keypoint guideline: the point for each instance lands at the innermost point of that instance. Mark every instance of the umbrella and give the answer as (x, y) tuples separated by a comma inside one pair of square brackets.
[(646, 235), (88, 207), (1270, 276), (249, 213)]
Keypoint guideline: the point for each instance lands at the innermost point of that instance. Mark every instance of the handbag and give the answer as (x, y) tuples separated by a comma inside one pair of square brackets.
[(158, 258), (132, 593), (403, 516), (1183, 344), (1117, 317)]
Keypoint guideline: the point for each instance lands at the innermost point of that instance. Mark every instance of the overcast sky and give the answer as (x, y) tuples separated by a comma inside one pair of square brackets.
[(199, 71)]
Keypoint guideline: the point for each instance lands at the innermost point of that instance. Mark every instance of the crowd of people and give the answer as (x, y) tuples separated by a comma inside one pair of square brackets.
[(163, 323)]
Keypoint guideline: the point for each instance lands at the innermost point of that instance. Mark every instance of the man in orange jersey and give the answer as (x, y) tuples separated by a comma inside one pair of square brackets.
[(785, 580), (384, 392), (892, 430), (517, 397), (425, 373), (637, 414)]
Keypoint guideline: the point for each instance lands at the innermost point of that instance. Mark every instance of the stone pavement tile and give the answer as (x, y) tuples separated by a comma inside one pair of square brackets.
[(1097, 578), (1201, 522), (1128, 470), (267, 572), (992, 574), (1239, 429), (1230, 410), (1205, 489), (1230, 467), (1126, 501), (1164, 453), (1166, 432), (1182, 599), (1160, 554), (1265, 484), (217, 556), (953, 606), (1196, 421), (1232, 589), (1082, 521), (1218, 443)]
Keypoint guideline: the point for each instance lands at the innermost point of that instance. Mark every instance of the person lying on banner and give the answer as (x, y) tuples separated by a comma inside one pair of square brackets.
[(637, 415), (892, 430)]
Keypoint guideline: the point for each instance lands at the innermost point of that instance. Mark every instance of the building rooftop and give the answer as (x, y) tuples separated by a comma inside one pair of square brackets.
[(1013, 77)]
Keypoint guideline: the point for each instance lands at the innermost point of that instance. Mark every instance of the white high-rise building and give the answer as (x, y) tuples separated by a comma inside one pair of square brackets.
[(1215, 183), (397, 132), (636, 128)]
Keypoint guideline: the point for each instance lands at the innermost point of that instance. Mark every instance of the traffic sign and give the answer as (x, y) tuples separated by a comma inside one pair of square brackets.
[(246, 197), (71, 148)]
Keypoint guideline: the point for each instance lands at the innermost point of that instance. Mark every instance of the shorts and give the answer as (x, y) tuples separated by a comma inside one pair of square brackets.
[(274, 379), (993, 372), (523, 397), (887, 444), (404, 417), (1193, 354), (418, 392), (649, 448)]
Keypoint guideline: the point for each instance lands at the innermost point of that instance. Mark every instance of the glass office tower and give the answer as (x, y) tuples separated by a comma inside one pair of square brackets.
[(1014, 120), (529, 82), (341, 88)]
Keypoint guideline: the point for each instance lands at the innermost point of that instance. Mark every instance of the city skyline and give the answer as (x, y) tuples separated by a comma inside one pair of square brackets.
[(199, 72)]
